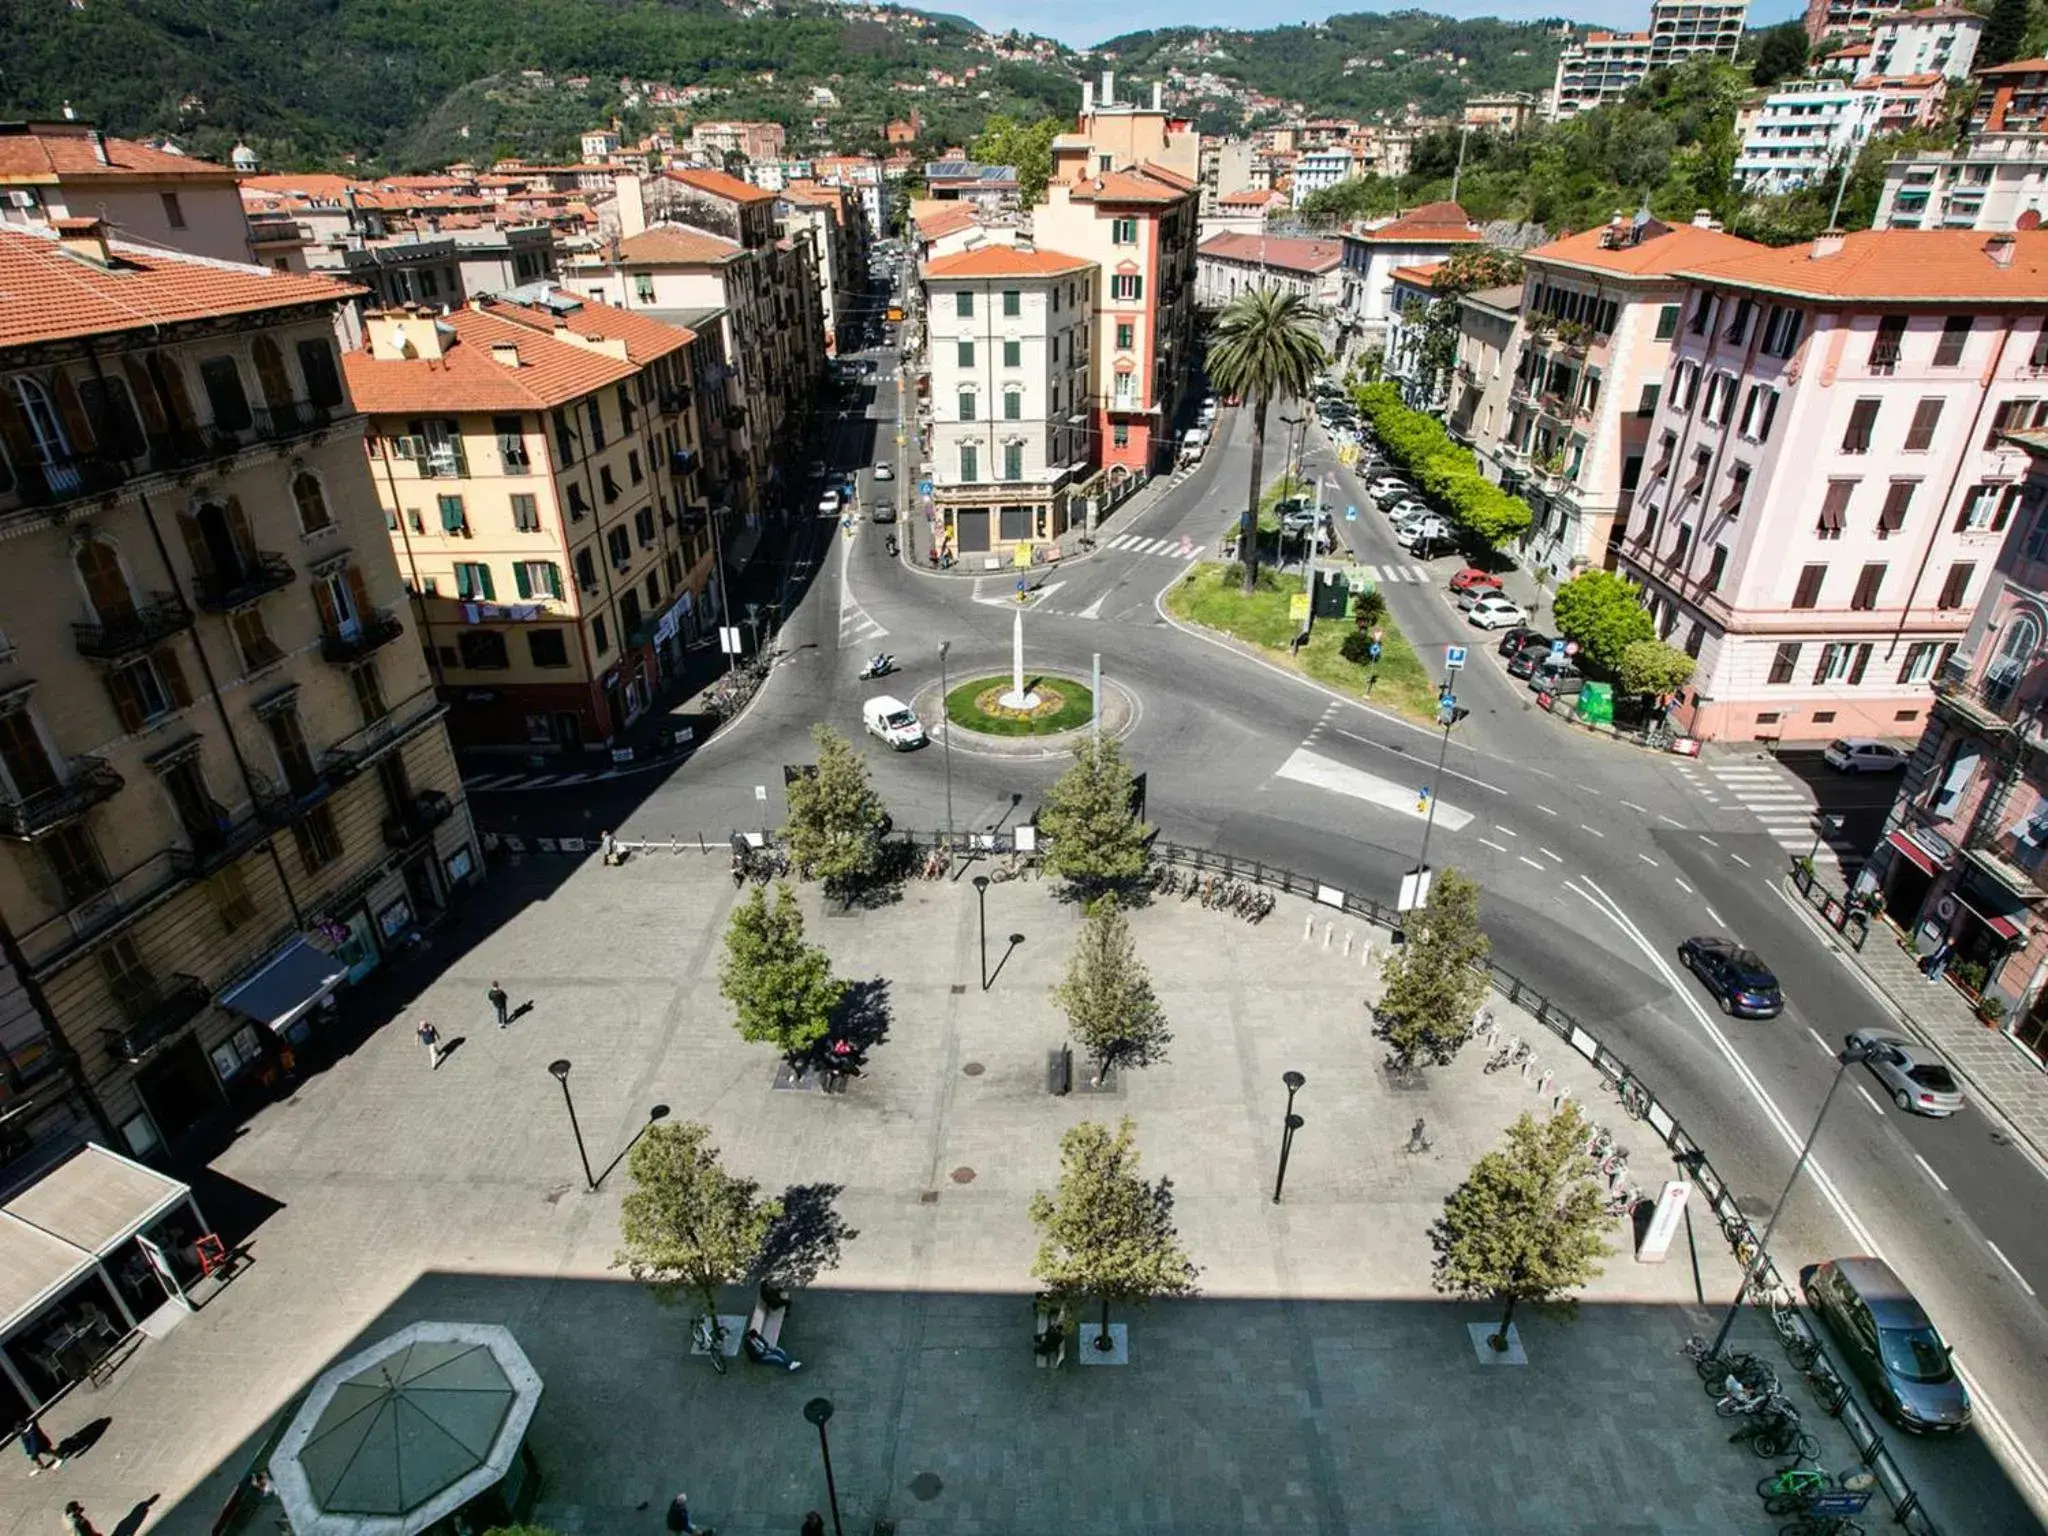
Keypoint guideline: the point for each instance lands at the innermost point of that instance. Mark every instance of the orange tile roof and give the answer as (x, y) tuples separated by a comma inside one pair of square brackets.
[(1138, 186), (1432, 223), (551, 372), (1172, 178), (1665, 249), (1417, 277), (718, 184), (677, 243), (43, 152), (1288, 253), (302, 184), (1899, 266), (1005, 261), (947, 219), (1249, 198), (2016, 67), (47, 294)]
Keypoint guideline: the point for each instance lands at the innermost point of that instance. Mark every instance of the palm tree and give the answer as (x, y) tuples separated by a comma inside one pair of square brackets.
[(1265, 343)]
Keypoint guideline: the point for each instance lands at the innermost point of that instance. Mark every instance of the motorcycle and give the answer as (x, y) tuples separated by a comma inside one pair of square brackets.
[(881, 664), (891, 546)]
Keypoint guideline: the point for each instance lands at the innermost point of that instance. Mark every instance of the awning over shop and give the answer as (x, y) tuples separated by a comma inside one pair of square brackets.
[(296, 980), (1904, 843), (2004, 927), (55, 1232)]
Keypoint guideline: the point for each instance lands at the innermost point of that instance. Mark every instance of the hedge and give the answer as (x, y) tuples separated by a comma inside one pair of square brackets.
[(1418, 443)]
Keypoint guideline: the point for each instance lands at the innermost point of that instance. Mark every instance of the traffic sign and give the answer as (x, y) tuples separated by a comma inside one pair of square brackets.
[(1373, 650), (1454, 657), (1557, 649), (1351, 514), (1447, 709), (924, 487), (1571, 648)]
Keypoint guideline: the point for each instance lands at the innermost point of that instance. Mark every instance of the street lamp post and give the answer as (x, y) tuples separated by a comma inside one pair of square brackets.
[(1290, 1122), (1847, 1057), (1447, 713), (819, 1410), (560, 1069), (981, 896), (946, 741)]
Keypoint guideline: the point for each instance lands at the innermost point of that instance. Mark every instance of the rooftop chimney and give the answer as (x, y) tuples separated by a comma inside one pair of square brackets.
[(1827, 243), (99, 146), (632, 205), (86, 239), (506, 352), (1087, 97), (1109, 87), (2000, 248), (1157, 99)]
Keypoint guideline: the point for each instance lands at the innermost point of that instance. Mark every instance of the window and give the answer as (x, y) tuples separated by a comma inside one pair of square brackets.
[(1685, 385), (593, 412), (323, 378), (598, 636), (643, 287), (368, 688), (1013, 303), (1667, 322), (229, 893), (1720, 397), (223, 384), (1738, 324), (1926, 416), (1120, 435), (525, 513), (1758, 411), (1955, 335), (80, 872), (1807, 593), (1681, 550), (537, 578), (966, 405), (1979, 507), (1013, 353), (1957, 585), (2015, 416), (565, 439), (1897, 499), (1956, 782), (1123, 231), (146, 690), (1834, 663), (1834, 510), (2038, 358), (1702, 466), (579, 508), (110, 410), (483, 650), (970, 464), (319, 842), (1890, 340), (586, 570), (1702, 314), (1867, 584), (1717, 565), (654, 588), (963, 304), (1862, 423), (1126, 336), (288, 740), (619, 546), (511, 445), (964, 353), (1647, 406), (454, 520), (1013, 405), (252, 640), (607, 484), (1127, 286), (473, 581), (643, 527), (1919, 663), (1781, 331), (1784, 662), (1738, 489), (547, 648), (129, 982), (1013, 461), (174, 215), (1665, 450)]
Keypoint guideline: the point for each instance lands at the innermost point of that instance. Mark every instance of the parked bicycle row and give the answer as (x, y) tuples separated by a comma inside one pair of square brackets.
[(1221, 892)]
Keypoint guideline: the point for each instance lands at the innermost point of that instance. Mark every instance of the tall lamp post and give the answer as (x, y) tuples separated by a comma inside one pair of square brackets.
[(819, 1411), (559, 1068), (946, 741), (981, 897), (1847, 1057), (1447, 716), (1290, 1122)]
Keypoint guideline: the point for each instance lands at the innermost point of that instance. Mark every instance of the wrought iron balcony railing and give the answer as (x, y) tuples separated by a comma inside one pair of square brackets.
[(150, 623)]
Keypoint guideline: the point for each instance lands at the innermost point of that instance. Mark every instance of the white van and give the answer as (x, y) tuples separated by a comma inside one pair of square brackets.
[(890, 720)]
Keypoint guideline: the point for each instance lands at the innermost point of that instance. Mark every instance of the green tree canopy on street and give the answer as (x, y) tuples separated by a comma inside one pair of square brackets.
[(1004, 140), (1433, 983), (781, 988), (835, 821), (1107, 1232), (1604, 613), (1266, 345), (1089, 822), (1362, 197), (1418, 443), (1529, 1222), (688, 1227), (1115, 1015), (1652, 667), (1465, 271)]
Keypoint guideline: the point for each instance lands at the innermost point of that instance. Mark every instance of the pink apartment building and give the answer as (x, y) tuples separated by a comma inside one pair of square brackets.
[(1828, 481)]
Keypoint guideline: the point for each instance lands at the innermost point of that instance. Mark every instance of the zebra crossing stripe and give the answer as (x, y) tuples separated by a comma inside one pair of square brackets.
[(570, 778), (491, 781), (542, 780)]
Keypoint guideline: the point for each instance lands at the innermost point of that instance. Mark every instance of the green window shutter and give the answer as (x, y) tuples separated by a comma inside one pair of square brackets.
[(554, 579), (451, 514), (484, 580), (521, 580)]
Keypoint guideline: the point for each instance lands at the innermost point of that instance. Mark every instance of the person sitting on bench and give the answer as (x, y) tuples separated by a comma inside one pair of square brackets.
[(761, 1352)]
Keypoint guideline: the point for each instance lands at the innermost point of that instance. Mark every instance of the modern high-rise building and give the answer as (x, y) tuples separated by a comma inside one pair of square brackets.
[(1608, 65)]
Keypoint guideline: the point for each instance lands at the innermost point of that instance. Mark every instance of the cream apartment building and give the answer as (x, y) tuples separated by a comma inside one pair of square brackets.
[(539, 463), (225, 784)]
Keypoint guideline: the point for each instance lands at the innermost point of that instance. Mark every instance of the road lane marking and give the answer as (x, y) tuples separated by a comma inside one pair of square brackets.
[(1687, 889), (1546, 810), (1668, 821), (1509, 831), (1528, 861), (1496, 847), (1928, 1169), (1452, 773), (1875, 1106), (1820, 1042), (1738, 858), (1634, 807), (1594, 830), (1094, 609), (1719, 921), (1548, 855), (1648, 860), (2008, 1263), (1708, 841), (1312, 768)]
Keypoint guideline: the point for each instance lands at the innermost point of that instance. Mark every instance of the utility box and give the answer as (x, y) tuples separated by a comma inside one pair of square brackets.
[(1596, 704), (1332, 596)]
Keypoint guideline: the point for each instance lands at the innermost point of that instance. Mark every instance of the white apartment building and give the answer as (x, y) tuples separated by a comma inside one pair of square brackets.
[(1008, 340), (1608, 65), (1990, 184), (1940, 41), (1320, 169), (1806, 129)]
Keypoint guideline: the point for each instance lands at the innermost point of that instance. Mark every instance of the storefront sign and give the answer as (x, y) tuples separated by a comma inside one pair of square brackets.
[(1663, 1226)]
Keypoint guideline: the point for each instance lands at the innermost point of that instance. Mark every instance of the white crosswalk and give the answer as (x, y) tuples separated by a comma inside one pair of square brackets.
[(1777, 798), (1136, 544), (1390, 575)]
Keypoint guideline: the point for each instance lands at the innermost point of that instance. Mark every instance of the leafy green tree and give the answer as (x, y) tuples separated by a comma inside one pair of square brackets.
[(1604, 613), (1437, 322), (1419, 444), (1108, 1233), (1433, 981), (1094, 836), (688, 1227), (1027, 146), (1652, 667), (2004, 32), (1528, 1224), (1780, 52), (781, 988), (1265, 344), (1362, 197), (835, 821), (1107, 993)]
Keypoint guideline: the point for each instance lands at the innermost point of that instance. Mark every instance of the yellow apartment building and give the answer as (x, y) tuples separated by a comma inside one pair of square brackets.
[(225, 785), (539, 461)]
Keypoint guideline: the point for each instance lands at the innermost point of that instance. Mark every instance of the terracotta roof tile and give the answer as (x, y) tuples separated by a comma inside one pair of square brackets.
[(677, 243), (1900, 266), (1126, 187), (1432, 223), (946, 219), (47, 294), (2016, 67), (1417, 277), (1664, 249), (1289, 253), (1005, 261), (718, 184), (1251, 198), (44, 151)]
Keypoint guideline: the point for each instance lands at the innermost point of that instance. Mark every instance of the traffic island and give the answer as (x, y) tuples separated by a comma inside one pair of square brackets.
[(973, 718), (1048, 706)]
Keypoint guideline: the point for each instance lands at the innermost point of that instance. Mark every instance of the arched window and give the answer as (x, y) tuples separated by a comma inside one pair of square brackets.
[(106, 584), (44, 424), (2017, 648), (313, 512)]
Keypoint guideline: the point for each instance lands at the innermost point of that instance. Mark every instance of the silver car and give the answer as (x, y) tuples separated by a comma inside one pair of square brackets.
[(1917, 1082)]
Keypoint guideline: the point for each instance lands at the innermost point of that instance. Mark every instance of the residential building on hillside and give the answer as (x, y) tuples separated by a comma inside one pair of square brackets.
[(70, 170), (1994, 180), (1225, 169), (1320, 169), (1112, 135), (1941, 40), (1010, 356), (1506, 112), (225, 785), (749, 141), (1242, 213), (1826, 18), (860, 175), (539, 458), (1479, 379), (1829, 479), (991, 187), (1228, 265), (1806, 130), (1420, 237), (1608, 65)]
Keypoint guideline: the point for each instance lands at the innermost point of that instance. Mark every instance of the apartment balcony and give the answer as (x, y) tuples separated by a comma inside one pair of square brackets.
[(416, 822), (263, 573), (188, 447), (88, 781), (69, 479), (179, 1001), (372, 632), (151, 623), (1993, 709), (295, 418), (359, 749)]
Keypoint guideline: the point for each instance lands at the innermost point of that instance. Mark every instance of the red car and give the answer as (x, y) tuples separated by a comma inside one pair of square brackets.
[(1472, 579)]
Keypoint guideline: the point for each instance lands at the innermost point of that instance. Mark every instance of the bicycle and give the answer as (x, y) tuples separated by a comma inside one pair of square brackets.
[(707, 1334), (1738, 1400), (1821, 1525), (1790, 1490), (1483, 1024), (1752, 1371), (1801, 1347), (1635, 1103), (1506, 1055), (1623, 1199)]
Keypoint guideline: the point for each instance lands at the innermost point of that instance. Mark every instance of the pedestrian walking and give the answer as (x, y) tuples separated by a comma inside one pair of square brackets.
[(75, 1523), (679, 1518), (500, 1001), (36, 1446), (430, 1037), (1936, 960)]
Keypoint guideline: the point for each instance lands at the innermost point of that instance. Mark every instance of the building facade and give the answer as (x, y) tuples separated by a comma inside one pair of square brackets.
[(1997, 178), (1487, 325), (1608, 65), (1941, 40), (225, 783), (1230, 264), (71, 170), (1829, 482), (1421, 237), (1807, 130)]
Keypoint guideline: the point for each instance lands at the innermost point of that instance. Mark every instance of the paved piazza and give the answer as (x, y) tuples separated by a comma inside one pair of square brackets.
[(1317, 1384)]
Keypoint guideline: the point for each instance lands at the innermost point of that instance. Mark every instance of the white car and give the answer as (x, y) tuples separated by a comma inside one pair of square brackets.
[(1386, 485), (1408, 511), (1863, 754), (883, 471), (1496, 612), (829, 503)]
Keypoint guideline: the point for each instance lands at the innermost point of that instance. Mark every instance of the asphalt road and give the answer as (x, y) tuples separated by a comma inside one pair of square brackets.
[(1597, 860)]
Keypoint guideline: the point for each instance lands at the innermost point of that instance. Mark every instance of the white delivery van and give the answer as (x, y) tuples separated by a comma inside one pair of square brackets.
[(1193, 443), (890, 720)]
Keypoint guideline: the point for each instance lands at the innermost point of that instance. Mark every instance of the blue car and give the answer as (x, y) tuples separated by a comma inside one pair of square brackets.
[(1738, 977)]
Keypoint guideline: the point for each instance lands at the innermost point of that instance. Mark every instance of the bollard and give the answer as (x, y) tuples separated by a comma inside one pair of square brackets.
[(1365, 953), (1308, 928), (1543, 1082), (1347, 946), (1526, 1066), (1557, 1104), (700, 844), (1328, 930)]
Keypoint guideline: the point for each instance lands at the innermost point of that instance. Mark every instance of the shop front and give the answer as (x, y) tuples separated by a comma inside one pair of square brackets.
[(1915, 860)]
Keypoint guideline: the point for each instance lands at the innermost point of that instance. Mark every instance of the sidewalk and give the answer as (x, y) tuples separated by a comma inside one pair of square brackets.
[(918, 528)]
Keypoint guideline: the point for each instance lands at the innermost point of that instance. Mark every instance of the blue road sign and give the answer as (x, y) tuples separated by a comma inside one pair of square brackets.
[(1557, 649), (924, 487), (1454, 657), (1351, 514), (1373, 650), (1447, 709)]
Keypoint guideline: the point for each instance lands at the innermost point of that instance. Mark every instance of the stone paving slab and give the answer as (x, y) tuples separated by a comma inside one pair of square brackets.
[(1317, 1384)]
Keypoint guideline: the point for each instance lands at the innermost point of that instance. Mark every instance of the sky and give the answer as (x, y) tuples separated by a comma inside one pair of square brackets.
[(1083, 23)]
